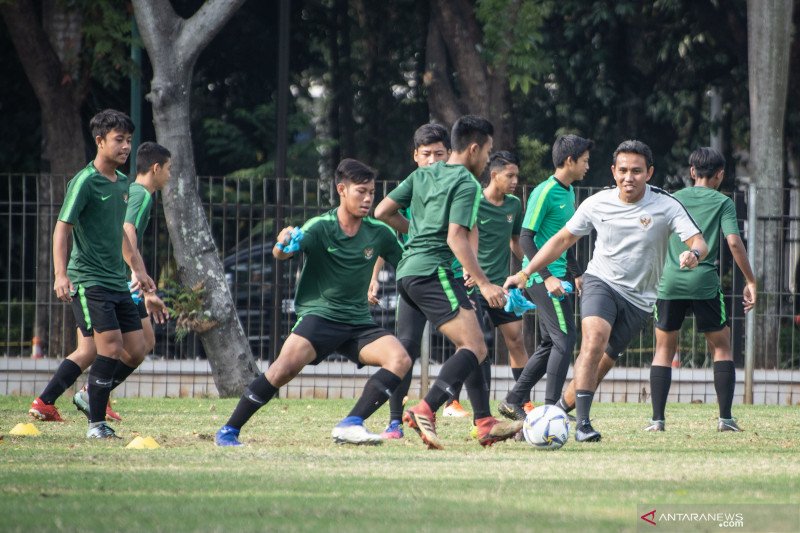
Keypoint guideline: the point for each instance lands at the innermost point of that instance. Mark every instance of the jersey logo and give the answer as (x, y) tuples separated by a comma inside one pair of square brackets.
[(104, 198), (510, 218), (368, 253), (645, 221), (561, 206), (331, 249), (125, 198), (485, 220)]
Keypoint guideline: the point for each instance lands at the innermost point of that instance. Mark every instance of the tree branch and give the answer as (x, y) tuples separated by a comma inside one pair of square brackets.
[(203, 26)]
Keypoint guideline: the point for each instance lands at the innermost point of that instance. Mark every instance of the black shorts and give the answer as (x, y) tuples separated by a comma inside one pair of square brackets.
[(438, 296), (599, 299), (98, 309), (710, 314), (142, 309), (497, 315), (328, 336)]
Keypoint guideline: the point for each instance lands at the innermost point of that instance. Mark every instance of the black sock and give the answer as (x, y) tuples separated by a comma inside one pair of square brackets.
[(456, 393), (531, 374), (724, 384), (256, 395), (453, 373), (65, 376), (121, 373), (377, 390), (100, 379), (660, 381), (563, 405), (478, 391), (583, 404), (516, 372), (396, 401)]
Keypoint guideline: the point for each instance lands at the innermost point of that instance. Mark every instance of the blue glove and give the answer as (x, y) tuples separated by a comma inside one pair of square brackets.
[(294, 242), (135, 296), (567, 286), (517, 303)]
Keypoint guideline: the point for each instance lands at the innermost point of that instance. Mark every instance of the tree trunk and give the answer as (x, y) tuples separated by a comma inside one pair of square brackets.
[(44, 48), (173, 45), (458, 79), (769, 30)]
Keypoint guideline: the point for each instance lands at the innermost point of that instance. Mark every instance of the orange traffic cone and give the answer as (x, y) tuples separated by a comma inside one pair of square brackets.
[(36, 349)]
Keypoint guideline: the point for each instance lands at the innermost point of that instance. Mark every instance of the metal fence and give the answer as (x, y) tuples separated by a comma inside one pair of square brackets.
[(242, 214)]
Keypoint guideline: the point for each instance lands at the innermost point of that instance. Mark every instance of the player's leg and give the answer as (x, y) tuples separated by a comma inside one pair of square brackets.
[(595, 334), (374, 347), (296, 353), (567, 401), (43, 408), (669, 317)]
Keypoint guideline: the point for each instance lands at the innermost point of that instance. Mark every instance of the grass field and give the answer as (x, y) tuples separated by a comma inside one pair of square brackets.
[(291, 477)]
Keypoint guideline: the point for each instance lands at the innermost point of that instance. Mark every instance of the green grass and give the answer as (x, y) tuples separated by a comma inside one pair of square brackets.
[(291, 477)]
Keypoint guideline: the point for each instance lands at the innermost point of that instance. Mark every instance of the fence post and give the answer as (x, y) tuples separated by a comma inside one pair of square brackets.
[(750, 320), (425, 360)]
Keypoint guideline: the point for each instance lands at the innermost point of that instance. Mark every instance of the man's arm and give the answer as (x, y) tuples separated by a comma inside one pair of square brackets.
[(389, 211), (374, 285), (62, 285), (739, 253), (458, 239), (546, 255), (698, 250), (134, 260), (283, 238), (516, 248)]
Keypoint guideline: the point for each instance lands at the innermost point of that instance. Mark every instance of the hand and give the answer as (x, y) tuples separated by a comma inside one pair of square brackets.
[(515, 281), (63, 288), (578, 285), (554, 287), (372, 292), (494, 294), (156, 308), (749, 296), (469, 281), (688, 260), (285, 235)]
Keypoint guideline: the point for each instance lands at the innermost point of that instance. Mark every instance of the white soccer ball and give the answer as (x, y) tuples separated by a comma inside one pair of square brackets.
[(546, 427)]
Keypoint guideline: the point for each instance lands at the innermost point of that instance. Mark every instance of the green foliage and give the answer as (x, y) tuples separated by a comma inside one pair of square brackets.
[(535, 160), (186, 305)]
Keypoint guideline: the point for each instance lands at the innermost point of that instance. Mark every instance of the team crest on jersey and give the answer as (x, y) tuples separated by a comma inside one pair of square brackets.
[(125, 198), (510, 218), (645, 221), (368, 253)]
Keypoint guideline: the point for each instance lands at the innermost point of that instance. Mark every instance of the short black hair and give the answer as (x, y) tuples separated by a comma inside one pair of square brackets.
[(567, 146), (706, 161), (634, 147), (470, 129), (354, 171), (500, 159), (108, 120), (428, 134), (149, 154)]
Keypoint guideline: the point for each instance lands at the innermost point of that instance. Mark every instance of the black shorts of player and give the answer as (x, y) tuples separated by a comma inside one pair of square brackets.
[(142, 310), (439, 296), (710, 314), (600, 300), (497, 315), (328, 336), (98, 309)]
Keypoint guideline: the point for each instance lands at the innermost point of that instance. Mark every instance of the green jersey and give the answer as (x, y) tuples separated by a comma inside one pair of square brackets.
[(438, 195), (714, 213), (95, 206), (550, 206), (139, 203), (496, 225), (338, 268)]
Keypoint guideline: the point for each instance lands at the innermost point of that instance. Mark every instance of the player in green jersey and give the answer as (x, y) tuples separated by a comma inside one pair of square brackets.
[(95, 279), (444, 198), (153, 162), (340, 247), (699, 290)]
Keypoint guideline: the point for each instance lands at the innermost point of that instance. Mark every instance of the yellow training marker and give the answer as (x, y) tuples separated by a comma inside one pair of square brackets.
[(146, 443), (26, 430)]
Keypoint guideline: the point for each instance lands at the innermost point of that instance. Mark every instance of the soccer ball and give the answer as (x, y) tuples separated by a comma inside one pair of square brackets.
[(546, 427)]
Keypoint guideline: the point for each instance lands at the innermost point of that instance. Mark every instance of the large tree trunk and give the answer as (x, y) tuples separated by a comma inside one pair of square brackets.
[(48, 50), (173, 45), (458, 79), (769, 30)]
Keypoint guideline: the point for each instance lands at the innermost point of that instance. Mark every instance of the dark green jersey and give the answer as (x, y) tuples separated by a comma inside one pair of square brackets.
[(95, 206), (496, 225), (438, 195), (550, 205), (338, 268), (714, 213), (139, 203)]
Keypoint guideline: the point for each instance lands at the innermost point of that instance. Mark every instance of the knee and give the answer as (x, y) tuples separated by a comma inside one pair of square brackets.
[(401, 363), (412, 347), (83, 358)]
